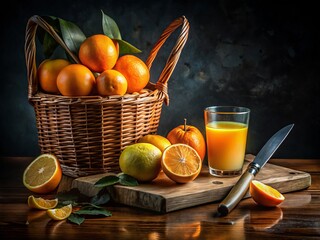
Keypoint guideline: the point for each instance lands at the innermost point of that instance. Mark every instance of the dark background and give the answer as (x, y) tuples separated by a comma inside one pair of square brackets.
[(259, 54)]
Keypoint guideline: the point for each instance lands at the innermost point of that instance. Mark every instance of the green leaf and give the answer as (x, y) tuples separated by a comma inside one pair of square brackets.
[(75, 218), (126, 48), (91, 210), (71, 35), (107, 181), (48, 43), (74, 195), (100, 198), (127, 180), (110, 27)]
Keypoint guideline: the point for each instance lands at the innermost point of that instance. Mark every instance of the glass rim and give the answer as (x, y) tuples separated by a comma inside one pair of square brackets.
[(227, 109)]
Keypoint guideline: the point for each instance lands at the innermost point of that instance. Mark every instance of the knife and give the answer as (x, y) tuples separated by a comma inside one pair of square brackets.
[(241, 187)]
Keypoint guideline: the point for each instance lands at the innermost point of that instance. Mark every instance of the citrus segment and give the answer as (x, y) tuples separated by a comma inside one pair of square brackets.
[(40, 203), (159, 141), (181, 163), (60, 213), (43, 174), (265, 195)]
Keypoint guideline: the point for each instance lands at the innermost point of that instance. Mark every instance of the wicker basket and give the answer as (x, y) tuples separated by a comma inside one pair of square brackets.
[(87, 134)]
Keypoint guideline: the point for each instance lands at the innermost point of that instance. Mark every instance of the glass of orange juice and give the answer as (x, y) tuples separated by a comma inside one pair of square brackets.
[(226, 136)]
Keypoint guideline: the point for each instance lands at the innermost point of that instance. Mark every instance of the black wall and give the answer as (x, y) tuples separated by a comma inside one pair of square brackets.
[(260, 54)]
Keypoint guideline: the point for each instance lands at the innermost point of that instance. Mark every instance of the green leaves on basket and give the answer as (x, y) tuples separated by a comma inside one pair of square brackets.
[(73, 36), (111, 29)]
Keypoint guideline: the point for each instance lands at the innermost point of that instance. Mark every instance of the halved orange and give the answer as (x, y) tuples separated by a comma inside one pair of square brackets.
[(60, 213), (43, 174), (265, 195), (40, 203), (181, 163)]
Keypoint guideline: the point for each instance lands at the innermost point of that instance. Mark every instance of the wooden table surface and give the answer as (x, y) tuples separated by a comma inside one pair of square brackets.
[(297, 217)]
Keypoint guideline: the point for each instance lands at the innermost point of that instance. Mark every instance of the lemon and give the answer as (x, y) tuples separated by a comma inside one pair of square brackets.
[(141, 161), (159, 141)]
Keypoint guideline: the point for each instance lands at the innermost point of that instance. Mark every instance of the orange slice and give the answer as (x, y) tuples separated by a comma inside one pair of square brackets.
[(265, 195), (43, 174), (40, 203), (60, 213), (181, 163)]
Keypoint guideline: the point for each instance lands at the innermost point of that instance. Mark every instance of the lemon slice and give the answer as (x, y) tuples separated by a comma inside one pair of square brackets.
[(40, 203), (60, 213)]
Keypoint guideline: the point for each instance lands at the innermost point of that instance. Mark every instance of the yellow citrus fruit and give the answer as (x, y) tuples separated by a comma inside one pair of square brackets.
[(265, 195), (47, 74), (75, 80), (135, 71), (99, 53), (43, 174), (141, 161), (159, 141), (181, 163), (40, 203), (111, 82), (60, 213)]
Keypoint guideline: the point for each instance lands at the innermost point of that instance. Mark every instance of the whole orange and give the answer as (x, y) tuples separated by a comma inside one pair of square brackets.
[(189, 135), (99, 53), (111, 82), (47, 73), (135, 71), (75, 80)]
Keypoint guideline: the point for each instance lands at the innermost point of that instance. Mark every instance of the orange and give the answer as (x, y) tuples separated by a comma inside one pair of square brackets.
[(43, 174), (265, 195), (189, 135), (99, 53), (135, 71), (181, 163), (47, 74), (159, 141), (60, 213), (75, 80), (40, 203), (111, 82)]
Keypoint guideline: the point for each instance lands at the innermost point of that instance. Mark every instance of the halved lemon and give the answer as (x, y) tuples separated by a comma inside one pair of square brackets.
[(181, 163), (60, 213), (265, 195), (43, 174), (40, 203)]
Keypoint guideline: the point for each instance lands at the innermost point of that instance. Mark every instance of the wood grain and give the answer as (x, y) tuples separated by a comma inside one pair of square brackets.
[(164, 195)]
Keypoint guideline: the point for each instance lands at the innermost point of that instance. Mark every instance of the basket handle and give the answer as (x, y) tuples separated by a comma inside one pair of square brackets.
[(30, 50), (173, 57)]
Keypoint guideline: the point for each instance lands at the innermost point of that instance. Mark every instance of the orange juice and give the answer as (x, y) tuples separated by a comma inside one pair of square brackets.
[(226, 143)]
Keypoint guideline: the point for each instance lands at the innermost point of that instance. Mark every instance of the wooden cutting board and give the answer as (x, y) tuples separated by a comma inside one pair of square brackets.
[(164, 195)]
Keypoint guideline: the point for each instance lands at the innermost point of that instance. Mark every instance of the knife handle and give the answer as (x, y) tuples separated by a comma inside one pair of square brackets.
[(238, 190)]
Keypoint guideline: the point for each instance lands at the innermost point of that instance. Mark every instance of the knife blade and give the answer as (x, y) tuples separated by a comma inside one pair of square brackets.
[(242, 185)]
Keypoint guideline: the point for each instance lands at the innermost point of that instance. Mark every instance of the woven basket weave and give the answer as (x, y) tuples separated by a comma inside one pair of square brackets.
[(87, 134)]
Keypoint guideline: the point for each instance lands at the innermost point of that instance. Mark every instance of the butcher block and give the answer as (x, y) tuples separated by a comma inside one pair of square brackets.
[(163, 195)]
